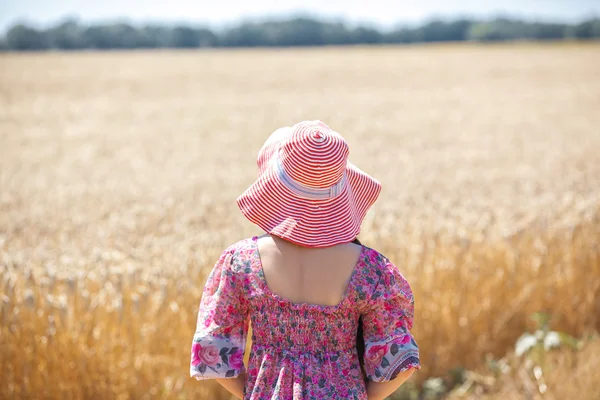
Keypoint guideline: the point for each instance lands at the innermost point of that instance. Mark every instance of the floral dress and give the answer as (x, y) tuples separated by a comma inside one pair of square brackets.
[(302, 351)]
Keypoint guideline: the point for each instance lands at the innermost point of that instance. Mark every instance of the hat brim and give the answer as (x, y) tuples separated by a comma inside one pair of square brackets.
[(269, 204)]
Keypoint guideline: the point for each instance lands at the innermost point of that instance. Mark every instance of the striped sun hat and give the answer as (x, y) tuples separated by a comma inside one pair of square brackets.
[(307, 191)]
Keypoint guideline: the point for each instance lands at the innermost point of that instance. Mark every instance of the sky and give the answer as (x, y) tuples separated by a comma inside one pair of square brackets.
[(216, 13)]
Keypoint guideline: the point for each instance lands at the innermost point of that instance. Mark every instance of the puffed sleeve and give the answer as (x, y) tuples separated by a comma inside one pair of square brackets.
[(389, 346), (222, 325)]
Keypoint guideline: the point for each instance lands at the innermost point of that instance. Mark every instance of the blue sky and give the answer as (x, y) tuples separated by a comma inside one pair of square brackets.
[(219, 12)]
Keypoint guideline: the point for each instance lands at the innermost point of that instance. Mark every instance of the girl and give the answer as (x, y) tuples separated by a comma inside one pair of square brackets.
[(307, 286)]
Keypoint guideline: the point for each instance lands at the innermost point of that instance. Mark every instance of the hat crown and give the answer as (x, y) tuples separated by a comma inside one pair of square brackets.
[(314, 155)]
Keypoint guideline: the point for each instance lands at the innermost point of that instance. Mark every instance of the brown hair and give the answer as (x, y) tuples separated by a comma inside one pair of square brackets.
[(360, 340)]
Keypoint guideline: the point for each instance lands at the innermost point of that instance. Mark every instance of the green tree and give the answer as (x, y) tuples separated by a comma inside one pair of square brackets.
[(183, 36), (500, 29), (114, 36), (440, 31), (153, 36), (244, 35), (589, 29), (362, 35), (22, 37), (549, 31), (66, 35)]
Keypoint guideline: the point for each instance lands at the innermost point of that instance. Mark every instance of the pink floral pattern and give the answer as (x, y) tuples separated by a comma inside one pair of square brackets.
[(302, 351)]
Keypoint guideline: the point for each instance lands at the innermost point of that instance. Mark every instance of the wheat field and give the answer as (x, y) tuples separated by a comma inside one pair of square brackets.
[(119, 173)]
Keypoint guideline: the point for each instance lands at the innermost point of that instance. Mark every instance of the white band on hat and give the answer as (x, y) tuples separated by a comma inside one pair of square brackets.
[(304, 191)]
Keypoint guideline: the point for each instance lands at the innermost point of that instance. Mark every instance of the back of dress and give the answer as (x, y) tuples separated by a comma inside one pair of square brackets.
[(302, 350)]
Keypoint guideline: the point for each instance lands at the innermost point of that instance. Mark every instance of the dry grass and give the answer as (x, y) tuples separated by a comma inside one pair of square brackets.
[(118, 174), (566, 374)]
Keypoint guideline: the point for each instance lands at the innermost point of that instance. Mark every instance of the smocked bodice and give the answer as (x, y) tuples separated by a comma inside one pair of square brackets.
[(303, 351)]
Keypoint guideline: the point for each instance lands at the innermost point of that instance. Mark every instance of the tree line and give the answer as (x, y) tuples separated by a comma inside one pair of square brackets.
[(70, 34)]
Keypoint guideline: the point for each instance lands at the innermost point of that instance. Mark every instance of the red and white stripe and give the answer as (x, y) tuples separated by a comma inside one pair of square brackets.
[(307, 191)]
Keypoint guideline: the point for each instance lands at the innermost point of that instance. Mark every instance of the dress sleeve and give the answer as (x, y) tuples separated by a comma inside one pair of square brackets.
[(389, 346), (220, 338)]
